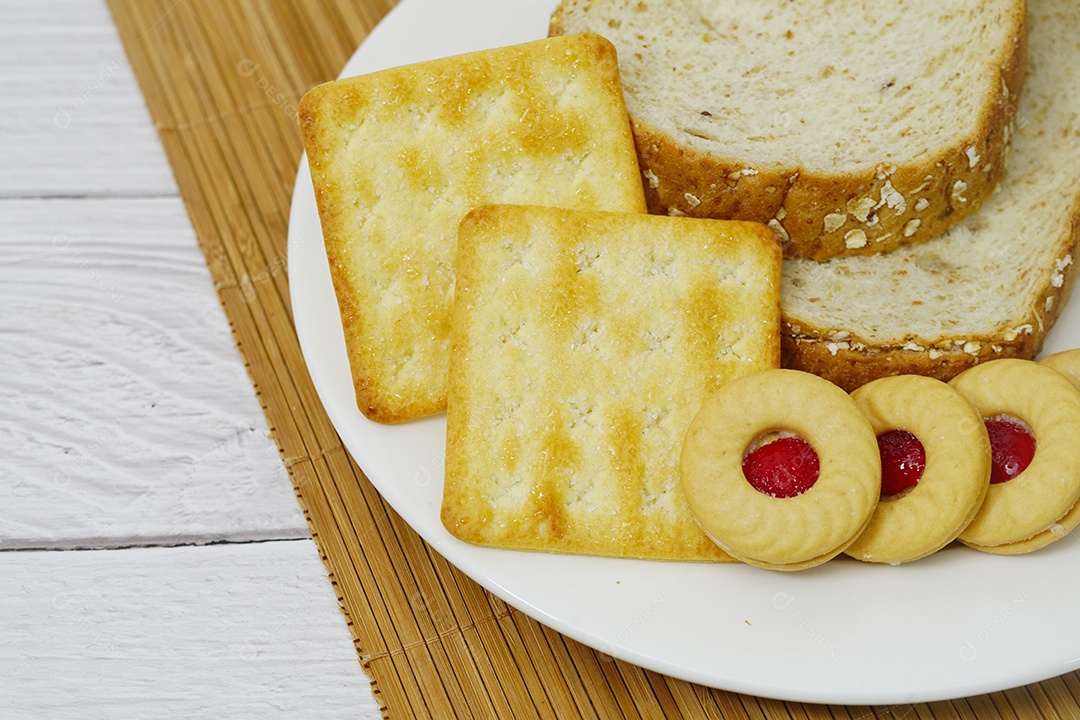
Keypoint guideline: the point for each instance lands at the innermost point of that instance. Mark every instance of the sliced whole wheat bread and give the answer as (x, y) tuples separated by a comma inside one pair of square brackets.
[(992, 286), (850, 128)]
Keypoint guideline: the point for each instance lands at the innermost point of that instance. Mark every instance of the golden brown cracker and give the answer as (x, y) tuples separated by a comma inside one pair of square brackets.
[(397, 158), (583, 345)]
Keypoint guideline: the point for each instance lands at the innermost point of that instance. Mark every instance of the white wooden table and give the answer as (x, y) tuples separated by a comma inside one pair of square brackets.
[(153, 559)]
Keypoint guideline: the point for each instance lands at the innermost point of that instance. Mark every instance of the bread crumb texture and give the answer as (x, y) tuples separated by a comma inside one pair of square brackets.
[(584, 343), (990, 287), (862, 111), (397, 158)]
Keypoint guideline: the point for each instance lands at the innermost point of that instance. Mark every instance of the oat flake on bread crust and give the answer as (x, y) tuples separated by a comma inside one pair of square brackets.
[(849, 128), (991, 287)]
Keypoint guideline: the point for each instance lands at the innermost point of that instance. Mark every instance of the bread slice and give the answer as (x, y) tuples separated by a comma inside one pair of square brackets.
[(992, 286), (399, 156), (583, 345), (851, 129)]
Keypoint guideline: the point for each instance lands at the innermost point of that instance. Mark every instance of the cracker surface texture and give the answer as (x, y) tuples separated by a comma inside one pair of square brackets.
[(397, 157), (584, 344)]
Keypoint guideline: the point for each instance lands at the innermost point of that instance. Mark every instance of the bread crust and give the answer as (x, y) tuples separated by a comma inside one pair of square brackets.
[(884, 207), (852, 362)]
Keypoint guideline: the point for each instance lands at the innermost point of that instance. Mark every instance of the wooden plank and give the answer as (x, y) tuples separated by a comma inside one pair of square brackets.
[(128, 416), (71, 101), (227, 231), (248, 630)]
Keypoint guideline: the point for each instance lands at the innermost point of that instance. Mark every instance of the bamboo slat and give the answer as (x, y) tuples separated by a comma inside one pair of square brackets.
[(222, 80)]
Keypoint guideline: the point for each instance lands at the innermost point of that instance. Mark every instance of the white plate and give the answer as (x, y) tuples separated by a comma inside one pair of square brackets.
[(955, 624)]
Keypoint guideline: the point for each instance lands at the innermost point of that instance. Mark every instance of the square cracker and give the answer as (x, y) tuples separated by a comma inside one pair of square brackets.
[(583, 346), (399, 156)]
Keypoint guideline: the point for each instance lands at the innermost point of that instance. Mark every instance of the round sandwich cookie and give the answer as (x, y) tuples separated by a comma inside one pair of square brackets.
[(935, 467), (781, 469), (1032, 416), (1067, 363)]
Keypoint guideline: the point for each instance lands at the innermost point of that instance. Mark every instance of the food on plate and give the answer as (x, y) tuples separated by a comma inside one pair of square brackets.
[(1066, 362), (583, 345), (851, 129), (399, 156), (789, 523), (935, 466), (611, 377), (1032, 414), (993, 285)]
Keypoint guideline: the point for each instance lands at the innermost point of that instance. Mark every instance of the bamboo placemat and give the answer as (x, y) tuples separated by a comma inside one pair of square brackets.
[(222, 80)]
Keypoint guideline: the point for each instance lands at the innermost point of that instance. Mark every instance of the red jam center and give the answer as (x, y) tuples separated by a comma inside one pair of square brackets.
[(783, 468), (903, 461), (1012, 447)]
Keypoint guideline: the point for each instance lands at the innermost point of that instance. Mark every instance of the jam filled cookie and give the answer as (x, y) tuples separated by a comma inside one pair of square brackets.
[(781, 469), (1032, 414), (935, 467), (1067, 363)]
